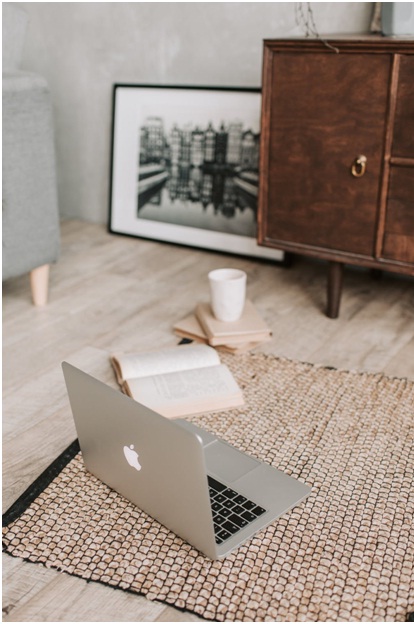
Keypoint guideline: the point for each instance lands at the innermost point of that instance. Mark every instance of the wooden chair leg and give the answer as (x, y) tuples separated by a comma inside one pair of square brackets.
[(39, 283), (335, 277)]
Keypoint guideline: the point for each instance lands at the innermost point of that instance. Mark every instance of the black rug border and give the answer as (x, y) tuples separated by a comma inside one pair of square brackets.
[(40, 484)]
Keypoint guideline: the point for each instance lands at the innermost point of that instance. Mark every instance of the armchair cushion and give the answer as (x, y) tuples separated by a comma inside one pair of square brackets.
[(30, 212)]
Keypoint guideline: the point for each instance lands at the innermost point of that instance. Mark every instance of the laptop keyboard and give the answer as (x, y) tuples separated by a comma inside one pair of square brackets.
[(231, 510)]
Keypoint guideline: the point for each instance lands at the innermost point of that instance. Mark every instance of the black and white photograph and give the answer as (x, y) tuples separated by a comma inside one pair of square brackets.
[(185, 166)]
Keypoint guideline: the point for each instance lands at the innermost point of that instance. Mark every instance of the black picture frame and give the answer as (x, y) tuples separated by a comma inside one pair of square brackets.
[(185, 166)]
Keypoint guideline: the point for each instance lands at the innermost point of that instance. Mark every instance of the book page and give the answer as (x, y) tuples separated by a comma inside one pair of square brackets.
[(185, 392), (166, 360)]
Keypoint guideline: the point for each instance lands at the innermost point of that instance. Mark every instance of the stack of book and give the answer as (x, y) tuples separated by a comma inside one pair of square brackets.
[(235, 337)]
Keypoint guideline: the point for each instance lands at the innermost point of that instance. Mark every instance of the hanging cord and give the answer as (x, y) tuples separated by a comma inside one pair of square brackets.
[(304, 19)]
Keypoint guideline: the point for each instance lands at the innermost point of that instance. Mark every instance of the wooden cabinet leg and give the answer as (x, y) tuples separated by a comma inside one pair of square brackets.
[(39, 283), (288, 260), (376, 274), (335, 277)]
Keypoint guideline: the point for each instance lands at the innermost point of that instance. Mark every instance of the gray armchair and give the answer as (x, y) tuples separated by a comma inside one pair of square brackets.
[(31, 236)]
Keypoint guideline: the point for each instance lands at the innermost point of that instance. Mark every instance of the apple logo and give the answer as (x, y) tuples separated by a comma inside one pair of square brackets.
[(132, 457)]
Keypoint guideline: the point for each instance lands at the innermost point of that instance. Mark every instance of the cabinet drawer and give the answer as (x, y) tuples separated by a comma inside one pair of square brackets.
[(399, 224)]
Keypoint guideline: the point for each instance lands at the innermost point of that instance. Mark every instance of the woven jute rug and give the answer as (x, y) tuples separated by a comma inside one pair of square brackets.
[(345, 554)]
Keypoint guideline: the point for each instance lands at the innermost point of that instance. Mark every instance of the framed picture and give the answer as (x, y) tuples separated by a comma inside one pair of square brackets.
[(185, 166)]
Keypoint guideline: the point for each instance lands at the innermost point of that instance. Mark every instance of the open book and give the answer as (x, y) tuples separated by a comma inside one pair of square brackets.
[(178, 381)]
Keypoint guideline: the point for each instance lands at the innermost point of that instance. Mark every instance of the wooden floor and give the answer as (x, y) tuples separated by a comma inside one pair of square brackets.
[(112, 293)]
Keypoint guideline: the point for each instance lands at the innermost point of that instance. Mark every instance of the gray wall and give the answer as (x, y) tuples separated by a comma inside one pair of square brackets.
[(83, 48)]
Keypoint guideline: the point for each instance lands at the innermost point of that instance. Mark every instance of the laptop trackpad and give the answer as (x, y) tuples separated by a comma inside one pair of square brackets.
[(226, 462)]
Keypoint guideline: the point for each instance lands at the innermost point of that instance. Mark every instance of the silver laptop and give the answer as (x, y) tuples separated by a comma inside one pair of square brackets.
[(206, 491)]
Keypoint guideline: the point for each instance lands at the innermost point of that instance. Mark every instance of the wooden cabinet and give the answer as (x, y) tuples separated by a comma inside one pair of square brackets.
[(337, 153)]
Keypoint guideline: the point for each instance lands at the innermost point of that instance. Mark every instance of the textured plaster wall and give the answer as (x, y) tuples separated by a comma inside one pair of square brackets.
[(83, 48)]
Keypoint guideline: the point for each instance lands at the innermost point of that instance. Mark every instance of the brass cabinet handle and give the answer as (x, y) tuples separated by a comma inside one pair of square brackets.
[(359, 166)]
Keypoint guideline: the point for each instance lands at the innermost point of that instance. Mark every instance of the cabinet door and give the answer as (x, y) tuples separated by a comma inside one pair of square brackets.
[(403, 140), (398, 241), (323, 111)]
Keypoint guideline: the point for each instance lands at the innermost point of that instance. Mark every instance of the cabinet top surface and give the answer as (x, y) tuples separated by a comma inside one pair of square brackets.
[(343, 43)]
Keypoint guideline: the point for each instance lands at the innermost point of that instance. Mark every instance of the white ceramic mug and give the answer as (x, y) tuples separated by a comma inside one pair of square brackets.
[(227, 293)]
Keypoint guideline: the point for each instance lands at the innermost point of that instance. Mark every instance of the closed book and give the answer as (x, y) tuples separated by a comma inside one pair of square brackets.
[(190, 328), (249, 328)]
